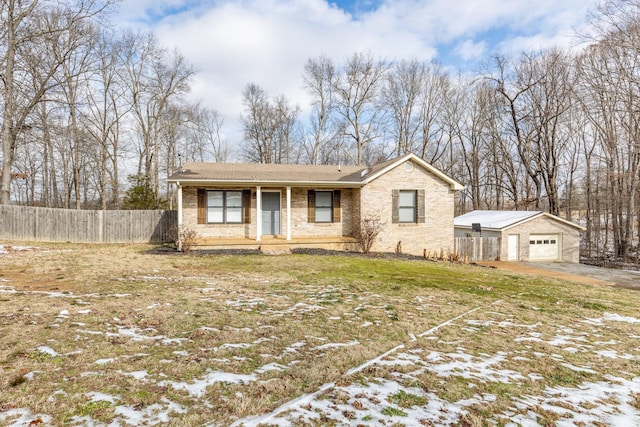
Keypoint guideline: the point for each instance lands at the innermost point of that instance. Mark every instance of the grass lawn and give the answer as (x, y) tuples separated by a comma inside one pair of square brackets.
[(132, 335)]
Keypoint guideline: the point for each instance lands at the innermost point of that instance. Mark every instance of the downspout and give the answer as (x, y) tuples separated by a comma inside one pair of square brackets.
[(179, 215), (288, 213), (258, 213)]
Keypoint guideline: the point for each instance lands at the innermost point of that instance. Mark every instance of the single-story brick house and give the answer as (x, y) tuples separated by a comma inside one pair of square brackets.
[(251, 205), (524, 235)]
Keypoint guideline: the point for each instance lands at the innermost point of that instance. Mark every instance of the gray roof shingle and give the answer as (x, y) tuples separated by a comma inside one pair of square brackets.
[(267, 172), (196, 173)]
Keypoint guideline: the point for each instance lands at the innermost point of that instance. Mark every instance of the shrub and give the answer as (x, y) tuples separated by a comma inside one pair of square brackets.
[(188, 240), (140, 195), (183, 239), (368, 231)]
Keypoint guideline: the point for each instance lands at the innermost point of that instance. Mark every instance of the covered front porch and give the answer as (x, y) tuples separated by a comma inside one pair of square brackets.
[(258, 216)]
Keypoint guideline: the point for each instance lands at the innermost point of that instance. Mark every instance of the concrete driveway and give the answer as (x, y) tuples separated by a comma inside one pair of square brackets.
[(580, 273)]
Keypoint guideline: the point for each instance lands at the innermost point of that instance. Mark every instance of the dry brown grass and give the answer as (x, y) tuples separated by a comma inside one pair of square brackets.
[(138, 324)]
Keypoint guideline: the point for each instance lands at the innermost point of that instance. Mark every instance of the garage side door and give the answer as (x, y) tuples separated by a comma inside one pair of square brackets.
[(544, 247)]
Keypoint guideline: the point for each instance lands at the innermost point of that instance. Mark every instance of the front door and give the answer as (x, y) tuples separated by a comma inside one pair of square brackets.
[(271, 213)]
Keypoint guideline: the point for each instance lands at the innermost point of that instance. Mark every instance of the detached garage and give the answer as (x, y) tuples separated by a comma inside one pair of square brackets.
[(524, 235)]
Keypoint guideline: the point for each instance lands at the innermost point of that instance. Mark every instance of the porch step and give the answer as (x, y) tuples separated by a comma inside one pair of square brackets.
[(275, 249)]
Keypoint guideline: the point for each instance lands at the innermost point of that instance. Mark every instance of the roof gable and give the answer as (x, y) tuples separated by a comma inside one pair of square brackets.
[(382, 168), (501, 220)]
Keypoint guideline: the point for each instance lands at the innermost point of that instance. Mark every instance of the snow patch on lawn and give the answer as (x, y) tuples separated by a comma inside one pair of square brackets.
[(336, 345), (374, 400), (596, 396), (21, 417), (154, 414), (198, 387)]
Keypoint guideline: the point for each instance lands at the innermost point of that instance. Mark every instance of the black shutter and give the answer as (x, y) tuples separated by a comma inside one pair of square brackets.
[(420, 207), (395, 206), (336, 206), (311, 216), (246, 206), (202, 206)]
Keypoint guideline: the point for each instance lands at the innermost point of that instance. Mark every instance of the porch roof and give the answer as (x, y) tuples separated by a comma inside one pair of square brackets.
[(267, 174), (202, 173)]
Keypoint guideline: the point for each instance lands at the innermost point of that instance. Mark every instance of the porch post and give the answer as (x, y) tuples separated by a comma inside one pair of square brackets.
[(288, 213), (258, 213), (179, 216)]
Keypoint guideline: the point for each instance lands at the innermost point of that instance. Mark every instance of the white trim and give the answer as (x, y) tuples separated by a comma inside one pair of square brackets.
[(564, 221), (258, 213), (455, 185), (288, 225), (267, 183), (179, 215), (548, 215), (534, 215)]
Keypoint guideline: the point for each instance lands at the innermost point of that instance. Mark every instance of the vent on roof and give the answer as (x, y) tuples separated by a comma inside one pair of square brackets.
[(364, 172), (180, 166)]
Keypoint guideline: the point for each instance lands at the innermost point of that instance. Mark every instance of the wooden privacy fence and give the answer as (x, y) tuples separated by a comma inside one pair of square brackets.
[(85, 226), (478, 248)]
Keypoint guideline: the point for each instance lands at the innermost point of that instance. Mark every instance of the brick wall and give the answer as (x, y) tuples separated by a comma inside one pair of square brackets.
[(300, 226), (569, 238), (190, 218), (375, 198), (437, 231)]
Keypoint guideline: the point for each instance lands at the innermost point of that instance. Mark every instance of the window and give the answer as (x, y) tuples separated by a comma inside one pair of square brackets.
[(324, 206), (224, 207), (407, 206)]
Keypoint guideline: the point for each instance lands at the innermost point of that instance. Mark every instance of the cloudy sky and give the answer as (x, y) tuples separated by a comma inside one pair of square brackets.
[(235, 42)]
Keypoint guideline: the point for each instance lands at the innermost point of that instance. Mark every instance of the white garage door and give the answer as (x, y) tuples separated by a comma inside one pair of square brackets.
[(544, 247)]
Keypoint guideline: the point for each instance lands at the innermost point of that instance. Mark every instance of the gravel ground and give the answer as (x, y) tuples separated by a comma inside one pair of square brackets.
[(623, 278)]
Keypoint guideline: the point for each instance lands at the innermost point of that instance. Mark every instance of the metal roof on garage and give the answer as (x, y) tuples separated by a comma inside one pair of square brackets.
[(500, 220)]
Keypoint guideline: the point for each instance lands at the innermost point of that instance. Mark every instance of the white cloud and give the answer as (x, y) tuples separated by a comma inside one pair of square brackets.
[(267, 42), (468, 49)]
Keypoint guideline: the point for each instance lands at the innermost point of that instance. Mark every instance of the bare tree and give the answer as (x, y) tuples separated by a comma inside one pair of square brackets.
[(154, 78), (403, 93), (433, 140), (473, 146), (73, 72), (611, 87), (29, 31), (103, 115), (550, 99), (321, 141), (358, 90), (204, 140), (268, 126)]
